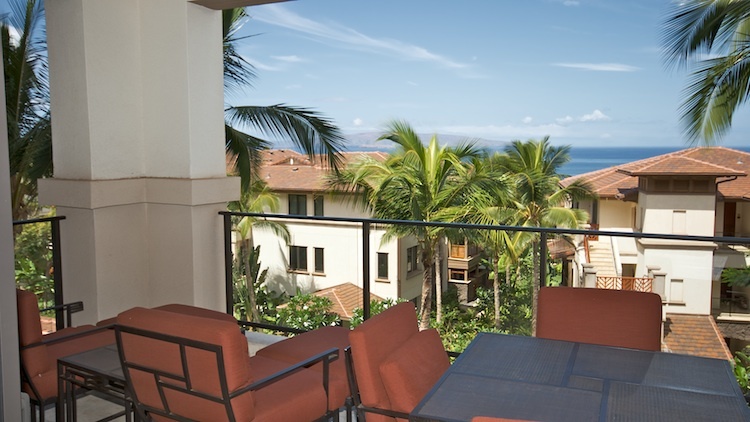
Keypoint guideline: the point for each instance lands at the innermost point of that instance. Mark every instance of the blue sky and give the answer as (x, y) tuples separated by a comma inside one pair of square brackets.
[(585, 72)]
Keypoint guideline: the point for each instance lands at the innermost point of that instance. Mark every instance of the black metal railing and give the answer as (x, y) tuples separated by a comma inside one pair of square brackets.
[(367, 223), (57, 273)]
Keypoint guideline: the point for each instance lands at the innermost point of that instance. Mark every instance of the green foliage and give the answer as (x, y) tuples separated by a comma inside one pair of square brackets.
[(243, 301), (307, 312), (742, 369), (376, 307), (736, 277), (459, 326), (33, 261)]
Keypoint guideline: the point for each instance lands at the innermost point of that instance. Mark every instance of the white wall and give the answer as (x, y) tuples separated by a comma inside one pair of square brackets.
[(614, 213), (661, 213)]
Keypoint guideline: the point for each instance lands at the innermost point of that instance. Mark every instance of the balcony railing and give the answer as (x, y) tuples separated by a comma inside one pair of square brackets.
[(640, 284), (366, 224)]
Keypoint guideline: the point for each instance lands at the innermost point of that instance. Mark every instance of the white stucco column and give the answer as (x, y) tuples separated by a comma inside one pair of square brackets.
[(137, 126)]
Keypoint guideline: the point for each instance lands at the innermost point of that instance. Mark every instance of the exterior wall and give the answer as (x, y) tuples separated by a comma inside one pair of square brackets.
[(614, 213), (689, 268), (659, 213), (342, 254)]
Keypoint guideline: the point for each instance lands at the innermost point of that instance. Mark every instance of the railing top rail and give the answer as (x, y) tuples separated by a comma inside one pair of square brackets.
[(638, 235), (39, 220)]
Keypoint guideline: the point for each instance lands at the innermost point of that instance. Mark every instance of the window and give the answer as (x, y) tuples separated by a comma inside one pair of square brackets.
[(319, 261), (298, 204), (318, 206), (298, 258), (411, 259), (382, 265)]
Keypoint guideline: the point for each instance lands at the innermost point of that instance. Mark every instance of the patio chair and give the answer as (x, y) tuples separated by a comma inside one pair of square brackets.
[(39, 353), (305, 345), (187, 367), (392, 364), (620, 318)]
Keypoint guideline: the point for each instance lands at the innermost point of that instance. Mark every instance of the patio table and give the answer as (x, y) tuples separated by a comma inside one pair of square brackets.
[(95, 370), (549, 380)]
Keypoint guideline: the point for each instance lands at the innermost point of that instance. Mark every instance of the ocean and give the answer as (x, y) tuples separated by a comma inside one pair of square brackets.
[(584, 160)]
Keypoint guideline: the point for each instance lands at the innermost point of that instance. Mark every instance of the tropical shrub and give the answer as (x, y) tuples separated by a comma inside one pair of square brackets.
[(307, 312)]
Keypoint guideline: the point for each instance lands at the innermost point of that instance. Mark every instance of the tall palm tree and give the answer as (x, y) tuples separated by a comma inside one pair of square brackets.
[(714, 37), (27, 102), (304, 127), (539, 200), (417, 182), (259, 198)]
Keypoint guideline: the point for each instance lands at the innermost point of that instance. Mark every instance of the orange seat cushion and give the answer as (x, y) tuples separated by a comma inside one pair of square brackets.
[(298, 397), (197, 311), (412, 370), (619, 318), (303, 346)]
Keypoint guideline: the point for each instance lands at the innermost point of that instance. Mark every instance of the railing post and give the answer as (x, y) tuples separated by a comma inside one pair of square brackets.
[(229, 282), (366, 270), (542, 259), (57, 275)]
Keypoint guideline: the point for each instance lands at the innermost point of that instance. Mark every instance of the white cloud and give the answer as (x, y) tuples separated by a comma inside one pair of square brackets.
[(527, 120), (346, 37), (594, 116), (293, 86), (289, 59), (358, 122), (599, 67), (606, 135), (564, 120), (412, 83), (263, 66), (571, 3)]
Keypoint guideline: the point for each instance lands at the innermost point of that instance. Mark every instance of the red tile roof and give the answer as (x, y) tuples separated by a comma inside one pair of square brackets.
[(730, 166), (695, 335), (286, 170), (345, 298)]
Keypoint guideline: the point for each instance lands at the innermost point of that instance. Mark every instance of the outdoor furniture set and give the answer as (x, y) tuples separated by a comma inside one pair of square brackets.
[(179, 362)]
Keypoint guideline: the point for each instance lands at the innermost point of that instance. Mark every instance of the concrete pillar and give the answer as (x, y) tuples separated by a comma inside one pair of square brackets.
[(137, 129), (589, 275)]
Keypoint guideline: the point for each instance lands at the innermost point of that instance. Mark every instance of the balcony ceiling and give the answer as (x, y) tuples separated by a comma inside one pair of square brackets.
[(230, 4)]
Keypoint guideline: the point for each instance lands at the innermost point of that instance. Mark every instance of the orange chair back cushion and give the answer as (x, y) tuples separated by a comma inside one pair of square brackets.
[(618, 318), (202, 365)]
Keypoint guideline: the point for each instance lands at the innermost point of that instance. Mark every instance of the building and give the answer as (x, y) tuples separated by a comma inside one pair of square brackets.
[(698, 192), (323, 254)]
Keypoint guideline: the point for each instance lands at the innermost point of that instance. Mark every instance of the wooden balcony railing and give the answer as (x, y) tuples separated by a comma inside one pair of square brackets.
[(640, 284)]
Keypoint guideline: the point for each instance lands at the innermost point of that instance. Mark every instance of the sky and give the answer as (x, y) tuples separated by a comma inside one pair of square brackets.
[(587, 73)]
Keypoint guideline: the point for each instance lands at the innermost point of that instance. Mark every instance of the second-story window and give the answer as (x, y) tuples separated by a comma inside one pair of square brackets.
[(297, 204), (298, 258), (382, 266), (411, 259), (319, 266), (318, 205)]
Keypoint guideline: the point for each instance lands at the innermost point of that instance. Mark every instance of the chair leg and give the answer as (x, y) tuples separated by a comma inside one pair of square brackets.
[(348, 408)]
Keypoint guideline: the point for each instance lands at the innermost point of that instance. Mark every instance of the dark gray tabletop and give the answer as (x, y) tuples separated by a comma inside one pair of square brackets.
[(549, 380), (102, 361)]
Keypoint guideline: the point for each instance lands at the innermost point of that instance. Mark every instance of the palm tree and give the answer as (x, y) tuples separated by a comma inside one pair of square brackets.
[(305, 128), (539, 200), (417, 183), (259, 198), (27, 102), (714, 37)]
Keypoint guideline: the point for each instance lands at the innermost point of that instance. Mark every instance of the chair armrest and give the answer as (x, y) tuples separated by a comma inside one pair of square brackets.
[(245, 324), (326, 357), (71, 336), (68, 309)]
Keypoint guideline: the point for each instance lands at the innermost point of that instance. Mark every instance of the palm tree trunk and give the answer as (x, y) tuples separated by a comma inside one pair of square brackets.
[(424, 312), (534, 285), (496, 288), (250, 280), (438, 287)]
